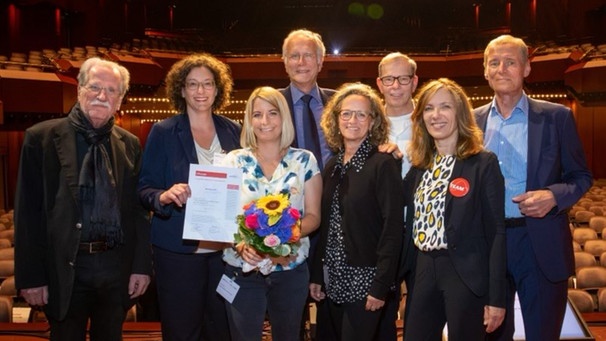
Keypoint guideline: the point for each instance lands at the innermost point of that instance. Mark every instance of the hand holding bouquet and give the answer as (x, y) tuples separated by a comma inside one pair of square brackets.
[(271, 226)]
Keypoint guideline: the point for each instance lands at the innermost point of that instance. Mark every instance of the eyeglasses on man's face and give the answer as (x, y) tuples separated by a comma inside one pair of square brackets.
[(389, 80), (96, 90), (192, 85), (346, 115), (295, 57)]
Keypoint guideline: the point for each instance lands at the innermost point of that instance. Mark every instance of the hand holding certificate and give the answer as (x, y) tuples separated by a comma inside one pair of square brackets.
[(211, 211)]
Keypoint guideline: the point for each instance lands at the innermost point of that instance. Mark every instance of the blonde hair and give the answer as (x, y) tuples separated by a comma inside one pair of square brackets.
[(390, 58), (507, 39), (379, 131), (422, 147), (276, 99)]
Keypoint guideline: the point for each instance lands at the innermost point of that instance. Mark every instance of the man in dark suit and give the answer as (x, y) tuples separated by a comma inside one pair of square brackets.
[(542, 160), (303, 53), (82, 238)]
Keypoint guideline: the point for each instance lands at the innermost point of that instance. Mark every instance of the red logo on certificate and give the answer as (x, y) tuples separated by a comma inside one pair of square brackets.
[(459, 187)]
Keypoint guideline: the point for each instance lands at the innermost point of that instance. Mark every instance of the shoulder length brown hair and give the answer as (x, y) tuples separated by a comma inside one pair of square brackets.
[(422, 147)]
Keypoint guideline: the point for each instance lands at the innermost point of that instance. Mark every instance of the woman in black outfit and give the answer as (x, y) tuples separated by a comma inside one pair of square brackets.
[(362, 215)]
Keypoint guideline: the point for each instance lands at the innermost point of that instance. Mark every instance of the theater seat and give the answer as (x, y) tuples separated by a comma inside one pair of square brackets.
[(597, 210), (595, 247), (8, 234), (583, 259), (582, 300), (582, 234), (6, 308), (591, 277), (7, 287), (598, 224), (582, 217), (7, 253), (7, 268), (602, 299)]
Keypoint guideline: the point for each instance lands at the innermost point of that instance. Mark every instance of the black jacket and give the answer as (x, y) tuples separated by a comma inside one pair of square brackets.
[(372, 218)]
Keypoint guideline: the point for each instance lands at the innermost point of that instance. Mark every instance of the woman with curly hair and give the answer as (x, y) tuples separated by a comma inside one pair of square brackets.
[(187, 271), (362, 227)]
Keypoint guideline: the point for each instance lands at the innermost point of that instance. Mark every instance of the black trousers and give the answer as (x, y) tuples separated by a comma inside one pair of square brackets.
[(190, 307), (96, 296), (352, 322), (440, 297), (387, 330)]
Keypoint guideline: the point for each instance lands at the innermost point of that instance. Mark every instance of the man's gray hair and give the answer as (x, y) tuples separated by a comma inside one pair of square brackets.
[(96, 61)]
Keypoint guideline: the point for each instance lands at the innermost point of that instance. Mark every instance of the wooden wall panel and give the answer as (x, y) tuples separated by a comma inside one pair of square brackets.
[(584, 121), (599, 142)]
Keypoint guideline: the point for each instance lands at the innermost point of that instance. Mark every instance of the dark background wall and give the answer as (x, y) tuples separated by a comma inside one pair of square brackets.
[(446, 37)]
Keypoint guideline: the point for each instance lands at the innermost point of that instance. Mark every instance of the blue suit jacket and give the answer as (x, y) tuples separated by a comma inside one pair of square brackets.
[(326, 94), (169, 151), (556, 161)]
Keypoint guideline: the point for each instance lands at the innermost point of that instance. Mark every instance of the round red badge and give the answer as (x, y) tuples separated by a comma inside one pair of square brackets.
[(459, 187)]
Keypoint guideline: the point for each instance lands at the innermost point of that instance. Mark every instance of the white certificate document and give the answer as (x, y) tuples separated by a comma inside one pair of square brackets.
[(210, 212)]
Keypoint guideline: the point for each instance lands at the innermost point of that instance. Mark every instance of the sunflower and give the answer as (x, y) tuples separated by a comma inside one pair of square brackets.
[(273, 204)]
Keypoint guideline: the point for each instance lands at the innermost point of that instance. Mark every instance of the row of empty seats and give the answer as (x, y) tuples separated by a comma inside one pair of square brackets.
[(7, 265), (587, 303), (587, 288)]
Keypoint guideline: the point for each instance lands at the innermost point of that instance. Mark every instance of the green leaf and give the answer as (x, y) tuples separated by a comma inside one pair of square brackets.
[(273, 219)]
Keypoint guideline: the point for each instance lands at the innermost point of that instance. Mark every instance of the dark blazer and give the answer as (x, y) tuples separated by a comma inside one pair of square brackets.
[(325, 93), (556, 161), (372, 218), (475, 225), (169, 151), (47, 217)]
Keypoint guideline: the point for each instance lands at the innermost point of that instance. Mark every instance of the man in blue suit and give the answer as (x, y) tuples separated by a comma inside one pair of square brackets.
[(303, 53), (542, 160)]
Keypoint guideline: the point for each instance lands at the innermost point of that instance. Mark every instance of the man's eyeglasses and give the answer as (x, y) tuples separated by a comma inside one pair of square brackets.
[(194, 86), (295, 57), (96, 90), (389, 80), (346, 115)]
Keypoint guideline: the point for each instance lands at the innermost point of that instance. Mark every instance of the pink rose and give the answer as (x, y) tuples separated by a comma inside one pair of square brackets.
[(294, 213), (271, 240), (252, 221)]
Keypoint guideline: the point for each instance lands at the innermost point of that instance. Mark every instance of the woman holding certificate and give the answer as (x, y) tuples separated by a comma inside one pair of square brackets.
[(280, 195), (187, 271)]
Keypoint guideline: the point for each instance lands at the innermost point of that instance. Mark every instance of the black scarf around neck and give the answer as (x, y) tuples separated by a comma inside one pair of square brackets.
[(96, 181)]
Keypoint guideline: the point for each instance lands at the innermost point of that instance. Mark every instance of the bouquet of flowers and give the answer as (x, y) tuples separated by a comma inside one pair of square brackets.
[(271, 226)]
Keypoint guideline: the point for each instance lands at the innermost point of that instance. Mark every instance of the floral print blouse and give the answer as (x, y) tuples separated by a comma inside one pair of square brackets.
[(297, 166)]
